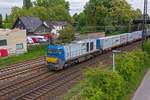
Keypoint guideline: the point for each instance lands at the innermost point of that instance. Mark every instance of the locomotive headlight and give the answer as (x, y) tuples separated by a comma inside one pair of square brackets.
[(52, 60)]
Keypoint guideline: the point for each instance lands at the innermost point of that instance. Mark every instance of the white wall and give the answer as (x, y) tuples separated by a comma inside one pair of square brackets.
[(56, 29), (15, 39)]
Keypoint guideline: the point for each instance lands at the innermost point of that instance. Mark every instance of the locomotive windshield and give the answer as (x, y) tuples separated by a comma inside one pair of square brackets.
[(54, 51)]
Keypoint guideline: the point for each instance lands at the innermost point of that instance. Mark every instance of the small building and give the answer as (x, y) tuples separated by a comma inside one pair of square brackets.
[(32, 25), (57, 26), (14, 41)]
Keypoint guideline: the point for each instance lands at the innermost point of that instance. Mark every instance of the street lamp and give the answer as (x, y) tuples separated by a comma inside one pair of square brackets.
[(114, 52)]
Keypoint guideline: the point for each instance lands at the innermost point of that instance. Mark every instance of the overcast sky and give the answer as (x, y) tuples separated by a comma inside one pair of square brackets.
[(76, 6)]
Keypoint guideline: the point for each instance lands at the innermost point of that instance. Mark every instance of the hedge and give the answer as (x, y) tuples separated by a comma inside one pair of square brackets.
[(119, 85)]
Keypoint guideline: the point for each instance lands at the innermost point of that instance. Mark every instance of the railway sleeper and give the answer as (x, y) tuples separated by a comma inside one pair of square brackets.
[(28, 97), (34, 95), (24, 98)]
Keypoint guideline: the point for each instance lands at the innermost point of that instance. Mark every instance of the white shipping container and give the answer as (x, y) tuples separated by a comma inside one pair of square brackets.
[(106, 43), (115, 40), (135, 35), (148, 32), (130, 37), (139, 34), (123, 38)]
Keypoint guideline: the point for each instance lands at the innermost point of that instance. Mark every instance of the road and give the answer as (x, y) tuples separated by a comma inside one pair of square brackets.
[(143, 92)]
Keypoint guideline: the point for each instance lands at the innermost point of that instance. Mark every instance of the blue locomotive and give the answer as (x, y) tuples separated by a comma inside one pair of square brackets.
[(60, 56)]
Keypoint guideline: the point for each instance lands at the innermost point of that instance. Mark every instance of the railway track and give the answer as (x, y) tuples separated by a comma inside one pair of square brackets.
[(23, 84), (63, 77), (23, 73), (37, 80), (20, 64), (13, 72), (38, 85)]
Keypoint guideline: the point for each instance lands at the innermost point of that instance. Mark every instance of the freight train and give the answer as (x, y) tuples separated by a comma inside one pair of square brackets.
[(61, 56)]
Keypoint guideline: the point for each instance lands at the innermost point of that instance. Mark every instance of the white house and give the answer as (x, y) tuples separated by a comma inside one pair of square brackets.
[(57, 26)]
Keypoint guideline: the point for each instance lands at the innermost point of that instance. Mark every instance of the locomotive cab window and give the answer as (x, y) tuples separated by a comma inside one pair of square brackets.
[(91, 46), (50, 51), (87, 47)]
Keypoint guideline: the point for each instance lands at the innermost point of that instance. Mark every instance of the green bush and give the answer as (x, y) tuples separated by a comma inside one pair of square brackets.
[(103, 85), (131, 64), (147, 46)]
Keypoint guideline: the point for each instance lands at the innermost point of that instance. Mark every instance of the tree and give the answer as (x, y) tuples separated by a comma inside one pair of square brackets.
[(75, 19), (52, 3), (27, 4), (81, 22), (117, 14), (6, 18), (54, 10), (1, 20), (67, 34)]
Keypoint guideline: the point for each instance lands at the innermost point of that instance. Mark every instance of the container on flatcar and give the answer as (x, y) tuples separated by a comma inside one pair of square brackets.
[(123, 38), (115, 40), (148, 32), (130, 37), (135, 35), (106, 43), (139, 34)]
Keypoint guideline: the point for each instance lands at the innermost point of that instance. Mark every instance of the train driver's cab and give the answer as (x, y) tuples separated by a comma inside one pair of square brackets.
[(55, 57)]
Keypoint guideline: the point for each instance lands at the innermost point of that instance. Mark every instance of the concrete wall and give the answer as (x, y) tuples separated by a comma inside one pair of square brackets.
[(16, 41)]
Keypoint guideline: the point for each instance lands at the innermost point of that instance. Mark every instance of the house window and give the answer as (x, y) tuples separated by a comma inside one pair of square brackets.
[(3, 42), (19, 46)]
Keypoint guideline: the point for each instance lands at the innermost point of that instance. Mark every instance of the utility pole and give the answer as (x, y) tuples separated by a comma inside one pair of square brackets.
[(114, 52), (144, 35)]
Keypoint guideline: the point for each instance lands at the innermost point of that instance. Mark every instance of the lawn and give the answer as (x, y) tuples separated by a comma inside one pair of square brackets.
[(33, 52)]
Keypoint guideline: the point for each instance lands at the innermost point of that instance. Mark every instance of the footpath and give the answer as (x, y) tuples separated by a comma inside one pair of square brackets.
[(143, 92)]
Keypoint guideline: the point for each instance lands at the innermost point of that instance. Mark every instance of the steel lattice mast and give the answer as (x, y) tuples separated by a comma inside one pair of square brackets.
[(144, 35)]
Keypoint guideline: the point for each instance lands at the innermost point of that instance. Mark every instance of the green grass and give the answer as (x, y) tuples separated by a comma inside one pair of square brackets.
[(131, 69), (33, 52)]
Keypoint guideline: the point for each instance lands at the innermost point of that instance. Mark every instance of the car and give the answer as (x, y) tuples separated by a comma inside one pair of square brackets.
[(40, 39), (29, 40)]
